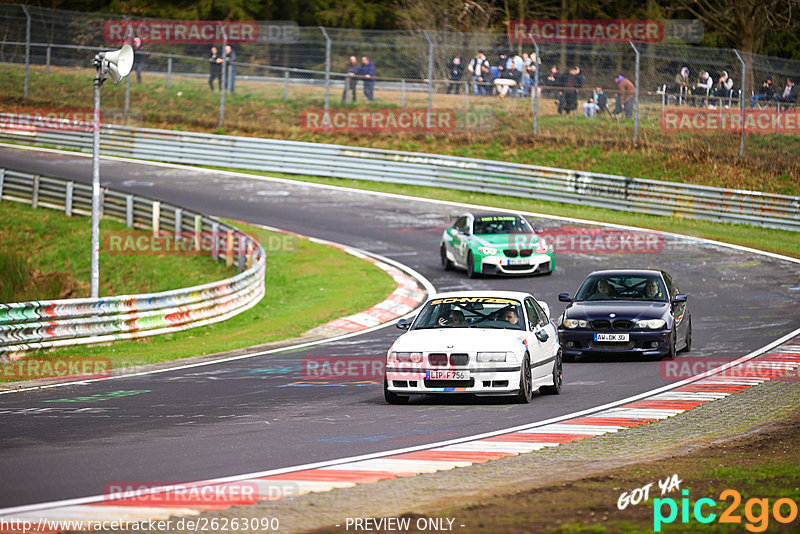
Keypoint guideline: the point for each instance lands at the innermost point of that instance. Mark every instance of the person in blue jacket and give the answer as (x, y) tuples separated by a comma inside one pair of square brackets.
[(367, 72)]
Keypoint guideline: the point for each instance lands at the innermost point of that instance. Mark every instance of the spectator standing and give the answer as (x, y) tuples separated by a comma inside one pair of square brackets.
[(553, 80), (456, 72), (230, 66), (138, 58), (568, 97), (529, 80), (627, 92), (351, 81), (767, 92), (702, 87), (214, 68), (367, 72), (475, 68), (597, 104)]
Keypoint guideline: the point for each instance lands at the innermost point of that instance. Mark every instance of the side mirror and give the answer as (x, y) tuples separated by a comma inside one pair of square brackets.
[(564, 297), (680, 297), (403, 324), (542, 336)]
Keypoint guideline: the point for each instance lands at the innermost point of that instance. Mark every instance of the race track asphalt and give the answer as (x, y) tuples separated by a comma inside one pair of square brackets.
[(258, 413)]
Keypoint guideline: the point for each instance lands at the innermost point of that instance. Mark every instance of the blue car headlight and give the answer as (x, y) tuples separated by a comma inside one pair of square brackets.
[(651, 324)]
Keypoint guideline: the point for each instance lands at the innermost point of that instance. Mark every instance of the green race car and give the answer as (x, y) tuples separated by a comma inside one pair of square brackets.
[(495, 243)]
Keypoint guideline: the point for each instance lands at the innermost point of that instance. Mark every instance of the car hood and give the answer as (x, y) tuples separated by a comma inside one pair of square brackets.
[(459, 340), (517, 240), (623, 309)]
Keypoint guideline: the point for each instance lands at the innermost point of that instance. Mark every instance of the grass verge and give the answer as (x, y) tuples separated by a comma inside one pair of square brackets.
[(307, 285), (768, 239)]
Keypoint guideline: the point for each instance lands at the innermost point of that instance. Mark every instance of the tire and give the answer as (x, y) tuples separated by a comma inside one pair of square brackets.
[(471, 266), (392, 398), (447, 265), (525, 382), (558, 378), (688, 347), (672, 346)]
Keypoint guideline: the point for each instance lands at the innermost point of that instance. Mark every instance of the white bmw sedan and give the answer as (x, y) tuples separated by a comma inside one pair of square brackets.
[(479, 342)]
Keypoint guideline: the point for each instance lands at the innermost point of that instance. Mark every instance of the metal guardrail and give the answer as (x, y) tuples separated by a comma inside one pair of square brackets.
[(33, 325), (464, 174)]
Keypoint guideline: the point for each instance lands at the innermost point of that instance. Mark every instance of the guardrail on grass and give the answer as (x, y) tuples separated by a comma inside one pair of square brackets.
[(465, 174), (33, 325)]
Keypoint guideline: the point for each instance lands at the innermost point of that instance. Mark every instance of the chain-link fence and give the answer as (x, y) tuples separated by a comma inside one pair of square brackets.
[(579, 93)]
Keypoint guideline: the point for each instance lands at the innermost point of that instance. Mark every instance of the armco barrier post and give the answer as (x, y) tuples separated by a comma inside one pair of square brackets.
[(156, 217), (198, 232), (240, 253), (68, 199), (215, 241), (35, 194), (249, 254), (129, 211), (229, 249), (178, 223), (2, 179)]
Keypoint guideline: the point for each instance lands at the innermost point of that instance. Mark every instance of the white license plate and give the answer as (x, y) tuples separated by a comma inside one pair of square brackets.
[(518, 261), (441, 374), (611, 337)]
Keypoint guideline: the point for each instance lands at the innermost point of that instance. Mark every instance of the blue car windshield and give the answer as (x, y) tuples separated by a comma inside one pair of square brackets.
[(622, 287), (501, 224), (471, 312)]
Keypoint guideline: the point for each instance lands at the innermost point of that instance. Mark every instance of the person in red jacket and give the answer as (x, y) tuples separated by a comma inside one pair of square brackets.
[(627, 92)]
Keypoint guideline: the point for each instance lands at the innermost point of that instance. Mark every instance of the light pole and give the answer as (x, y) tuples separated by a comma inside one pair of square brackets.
[(116, 66)]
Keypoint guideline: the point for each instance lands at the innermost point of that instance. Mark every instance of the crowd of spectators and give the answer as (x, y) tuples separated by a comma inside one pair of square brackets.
[(706, 92)]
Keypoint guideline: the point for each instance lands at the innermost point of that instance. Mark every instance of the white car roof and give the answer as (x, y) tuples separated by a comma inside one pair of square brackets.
[(517, 295)]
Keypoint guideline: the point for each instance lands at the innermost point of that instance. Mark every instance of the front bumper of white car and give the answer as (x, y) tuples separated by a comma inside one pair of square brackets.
[(499, 378)]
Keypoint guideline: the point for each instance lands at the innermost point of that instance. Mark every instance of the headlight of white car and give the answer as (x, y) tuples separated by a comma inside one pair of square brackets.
[(575, 323), (489, 251), (484, 357), (652, 324), (415, 357)]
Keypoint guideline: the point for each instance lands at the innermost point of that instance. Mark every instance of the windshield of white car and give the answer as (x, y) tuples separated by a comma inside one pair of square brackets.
[(501, 224), (622, 287), (471, 312)]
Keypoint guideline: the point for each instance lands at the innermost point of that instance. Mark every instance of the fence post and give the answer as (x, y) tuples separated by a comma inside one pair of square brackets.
[(47, 60), (129, 211), (403, 93), (68, 200), (430, 79), (198, 232), (636, 97), (129, 32), (538, 63), (240, 256), (169, 71), (286, 85), (224, 87), (27, 49), (741, 100), (327, 68)]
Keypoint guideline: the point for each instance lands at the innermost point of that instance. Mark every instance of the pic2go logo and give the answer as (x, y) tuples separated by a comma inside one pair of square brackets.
[(756, 511)]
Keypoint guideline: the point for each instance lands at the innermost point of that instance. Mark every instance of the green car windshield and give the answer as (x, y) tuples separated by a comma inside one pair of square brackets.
[(471, 312), (622, 287), (501, 224)]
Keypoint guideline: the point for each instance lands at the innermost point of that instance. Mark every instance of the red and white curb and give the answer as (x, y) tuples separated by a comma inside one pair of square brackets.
[(771, 363)]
